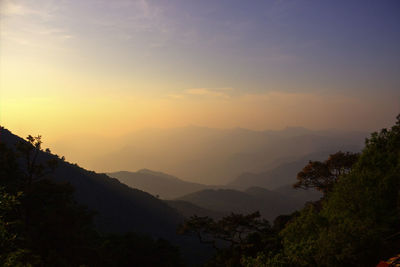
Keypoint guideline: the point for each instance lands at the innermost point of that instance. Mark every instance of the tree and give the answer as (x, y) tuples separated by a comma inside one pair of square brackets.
[(323, 175), (358, 223), (131, 249), (41, 224), (11, 233), (30, 151), (233, 236)]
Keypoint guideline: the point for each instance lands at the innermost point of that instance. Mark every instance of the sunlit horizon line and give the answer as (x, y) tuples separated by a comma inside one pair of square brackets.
[(199, 126)]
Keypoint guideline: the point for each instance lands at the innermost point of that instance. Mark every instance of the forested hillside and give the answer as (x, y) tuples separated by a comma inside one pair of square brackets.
[(215, 156), (356, 222), (54, 213), (158, 184), (100, 205), (43, 221), (119, 208), (269, 203)]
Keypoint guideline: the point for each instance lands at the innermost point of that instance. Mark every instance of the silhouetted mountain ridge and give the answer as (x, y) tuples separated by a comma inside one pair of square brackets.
[(269, 203), (282, 175), (215, 156), (158, 184), (188, 209), (119, 208)]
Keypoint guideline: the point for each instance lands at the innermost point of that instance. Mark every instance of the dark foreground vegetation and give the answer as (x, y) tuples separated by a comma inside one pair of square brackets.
[(42, 225), (355, 223)]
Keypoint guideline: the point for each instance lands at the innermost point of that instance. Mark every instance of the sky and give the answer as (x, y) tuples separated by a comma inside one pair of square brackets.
[(111, 67)]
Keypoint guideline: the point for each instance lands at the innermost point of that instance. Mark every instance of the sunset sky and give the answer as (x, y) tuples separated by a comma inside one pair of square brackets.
[(111, 67)]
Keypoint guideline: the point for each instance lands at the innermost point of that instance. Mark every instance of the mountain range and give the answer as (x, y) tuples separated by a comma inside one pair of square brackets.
[(158, 184), (119, 208), (269, 203), (282, 175), (206, 155), (216, 201), (155, 203)]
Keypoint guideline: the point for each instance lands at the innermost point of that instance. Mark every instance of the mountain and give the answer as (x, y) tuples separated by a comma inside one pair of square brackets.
[(213, 156), (157, 183), (298, 194), (118, 207), (269, 203), (187, 209), (280, 176), (196, 199)]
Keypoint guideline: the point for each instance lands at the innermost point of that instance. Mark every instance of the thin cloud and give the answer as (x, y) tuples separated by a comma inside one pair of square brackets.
[(10, 9), (176, 96), (209, 92), (30, 24)]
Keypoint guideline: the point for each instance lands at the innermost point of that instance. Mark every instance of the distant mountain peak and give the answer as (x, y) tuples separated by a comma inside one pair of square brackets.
[(291, 128), (118, 207), (158, 173)]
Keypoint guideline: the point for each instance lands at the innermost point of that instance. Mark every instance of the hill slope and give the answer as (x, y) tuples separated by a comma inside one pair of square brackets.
[(119, 208), (269, 203), (282, 175), (188, 209), (158, 184), (210, 156)]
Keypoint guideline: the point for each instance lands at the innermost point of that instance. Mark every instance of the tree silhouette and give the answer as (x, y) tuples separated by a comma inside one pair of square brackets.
[(323, 175), (41, 224), (30, 151), (232, 236)]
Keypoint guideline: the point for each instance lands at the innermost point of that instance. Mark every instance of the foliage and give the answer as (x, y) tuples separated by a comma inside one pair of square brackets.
[(42, 225), (136, 250), (266, 260), (357, 223), (34, 169), (10, 233), (359, 219), (323, 175), (232, 236)]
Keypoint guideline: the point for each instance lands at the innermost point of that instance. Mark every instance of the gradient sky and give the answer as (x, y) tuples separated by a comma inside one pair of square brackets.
[(110, 67)]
